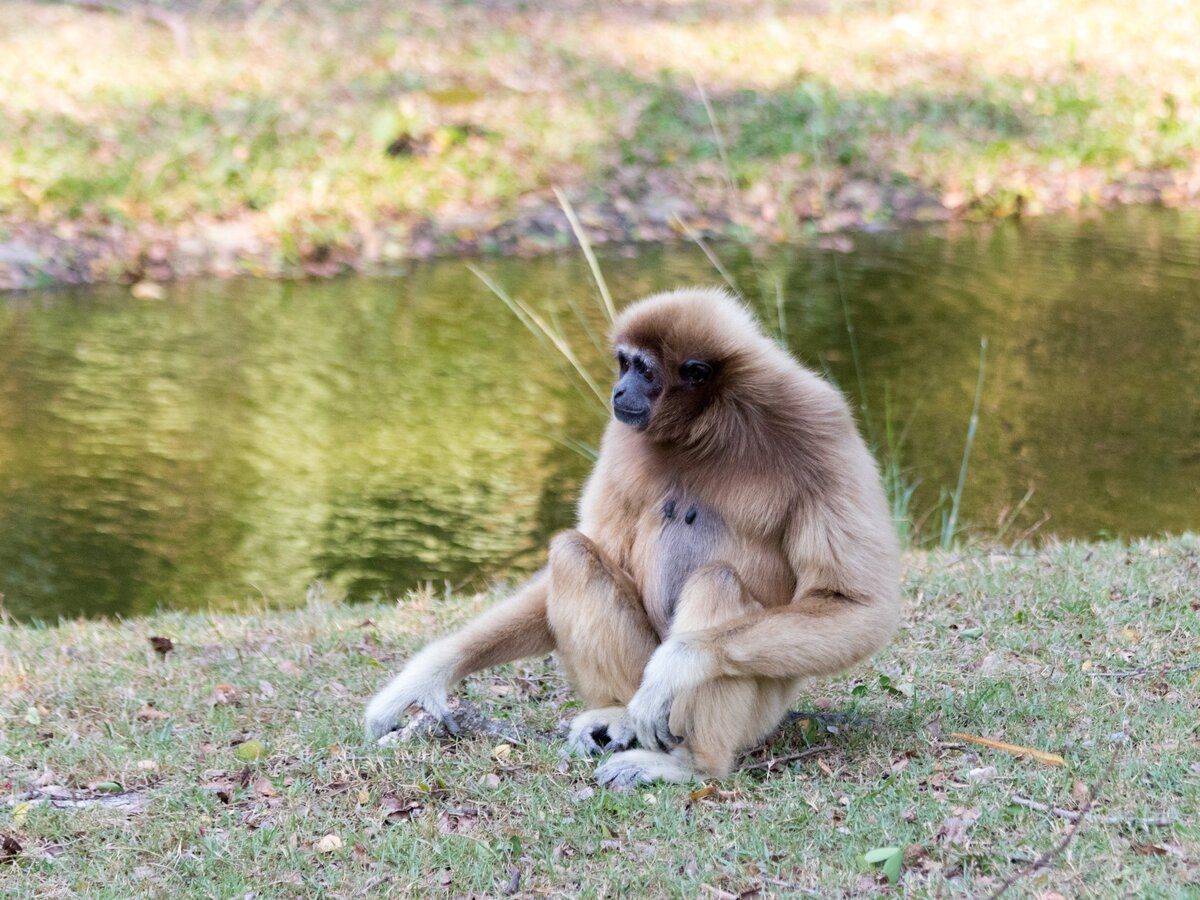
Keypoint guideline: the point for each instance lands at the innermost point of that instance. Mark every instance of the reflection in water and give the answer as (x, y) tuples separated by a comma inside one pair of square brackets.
[(239, 440)]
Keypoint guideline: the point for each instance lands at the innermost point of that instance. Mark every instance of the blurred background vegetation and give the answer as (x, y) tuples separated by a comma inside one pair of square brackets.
[(187, 136)]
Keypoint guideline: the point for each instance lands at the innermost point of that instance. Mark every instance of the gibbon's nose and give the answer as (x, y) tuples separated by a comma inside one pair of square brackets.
[(618, 393)]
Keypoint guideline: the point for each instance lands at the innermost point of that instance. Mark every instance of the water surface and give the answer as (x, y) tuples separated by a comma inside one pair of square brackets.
[(239, 440)]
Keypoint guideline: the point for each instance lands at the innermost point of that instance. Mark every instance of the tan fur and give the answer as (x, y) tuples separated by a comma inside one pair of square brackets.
[(802, 580)]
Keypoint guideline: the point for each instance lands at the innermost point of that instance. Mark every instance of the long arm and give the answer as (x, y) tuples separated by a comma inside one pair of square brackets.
[(845, 560), (512, 629)]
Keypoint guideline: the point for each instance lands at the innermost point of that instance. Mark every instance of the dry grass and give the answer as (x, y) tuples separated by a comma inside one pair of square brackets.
[(1073, 649)]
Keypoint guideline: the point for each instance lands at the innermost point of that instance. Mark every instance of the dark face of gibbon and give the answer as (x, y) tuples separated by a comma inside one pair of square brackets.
[(651, 390)]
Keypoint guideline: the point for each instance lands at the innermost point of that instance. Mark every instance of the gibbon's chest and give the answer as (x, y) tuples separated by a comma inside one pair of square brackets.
[(676, 536)]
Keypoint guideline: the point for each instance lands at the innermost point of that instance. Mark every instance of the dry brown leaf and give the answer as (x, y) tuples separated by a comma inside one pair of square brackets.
[(328, 844), (9, 848), (149, 712), (162, 645), (1049, 759), (1148, 849), (224, 694)]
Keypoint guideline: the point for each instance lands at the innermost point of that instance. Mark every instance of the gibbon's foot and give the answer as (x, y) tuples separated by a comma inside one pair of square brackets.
[(602, 730), (624, 770)]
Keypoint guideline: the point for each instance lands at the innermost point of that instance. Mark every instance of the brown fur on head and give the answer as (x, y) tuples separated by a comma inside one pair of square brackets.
[(743, 394)]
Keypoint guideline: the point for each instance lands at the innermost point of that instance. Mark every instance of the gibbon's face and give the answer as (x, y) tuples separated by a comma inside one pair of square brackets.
[(650, 388)]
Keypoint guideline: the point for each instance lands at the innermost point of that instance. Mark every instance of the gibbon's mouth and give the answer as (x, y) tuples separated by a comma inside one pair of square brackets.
[(635, 416)]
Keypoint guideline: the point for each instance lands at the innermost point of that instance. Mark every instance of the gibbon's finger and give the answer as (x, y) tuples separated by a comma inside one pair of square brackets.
[(620, 737), (449, 724)]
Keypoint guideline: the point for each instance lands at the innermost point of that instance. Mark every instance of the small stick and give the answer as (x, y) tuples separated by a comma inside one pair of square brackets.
[(1073, 815), (790, 757), (1049, 759), (1058, 849), (1145, 670)]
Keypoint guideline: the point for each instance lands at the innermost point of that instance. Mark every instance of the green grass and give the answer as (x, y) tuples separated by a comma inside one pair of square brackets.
[(280, 115), (1026, 646)]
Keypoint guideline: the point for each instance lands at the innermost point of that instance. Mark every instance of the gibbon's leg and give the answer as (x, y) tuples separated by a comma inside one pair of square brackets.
[(512, 629), (603, 638), (717, 718)]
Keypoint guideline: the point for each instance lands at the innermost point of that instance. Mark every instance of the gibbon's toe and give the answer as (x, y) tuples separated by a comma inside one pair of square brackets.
[(598, 731), (624, 770)]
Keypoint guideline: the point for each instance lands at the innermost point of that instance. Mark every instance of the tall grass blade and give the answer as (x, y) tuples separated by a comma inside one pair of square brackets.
[(712, 257), (780, 313), (539, 327), (950, 523), (718, 138), (609, 308)]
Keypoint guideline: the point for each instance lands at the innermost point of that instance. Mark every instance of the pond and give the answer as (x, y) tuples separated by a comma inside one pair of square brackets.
[(234, 443)]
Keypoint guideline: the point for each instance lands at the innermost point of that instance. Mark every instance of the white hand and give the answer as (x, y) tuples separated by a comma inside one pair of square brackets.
[(675, 667), (424, 682)]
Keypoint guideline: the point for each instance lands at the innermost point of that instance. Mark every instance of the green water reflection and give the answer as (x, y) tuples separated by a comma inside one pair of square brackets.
[(232, 444)]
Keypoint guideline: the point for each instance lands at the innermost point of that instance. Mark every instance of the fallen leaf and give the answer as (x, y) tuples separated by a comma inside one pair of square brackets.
[(162, 645), (9, 848), (1049, 759), (147, 765), (149, 712), (20, 811), (1132, 635), (328, 844), (707, 791), (983, 773), (1148, 849), (107, 787), (224, 694), (502, 751), (32, 716), (250, 751), (287, 667), (264, 787), (953, 832), (397, 810), (364, 797)]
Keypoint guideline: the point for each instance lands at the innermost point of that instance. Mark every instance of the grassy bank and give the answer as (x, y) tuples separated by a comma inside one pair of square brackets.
[(129, 773), (229, 136)]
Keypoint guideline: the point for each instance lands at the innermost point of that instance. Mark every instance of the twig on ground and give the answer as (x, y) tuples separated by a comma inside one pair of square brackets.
[(1058, 849), (1145, 670), (789, 757), (1072, 815)]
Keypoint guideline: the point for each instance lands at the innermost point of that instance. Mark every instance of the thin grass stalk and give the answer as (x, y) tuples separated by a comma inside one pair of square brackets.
[(950, 525), (712, 257), (538, 326), (718, 138), (780, 313), (1012, 517), (609, 308)]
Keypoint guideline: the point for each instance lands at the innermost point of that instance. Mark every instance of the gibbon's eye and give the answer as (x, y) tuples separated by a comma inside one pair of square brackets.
[(622, 362), (694, 371)]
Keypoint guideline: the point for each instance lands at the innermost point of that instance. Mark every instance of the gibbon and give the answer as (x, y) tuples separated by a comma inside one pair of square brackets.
[(733, 540)]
